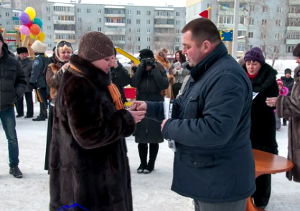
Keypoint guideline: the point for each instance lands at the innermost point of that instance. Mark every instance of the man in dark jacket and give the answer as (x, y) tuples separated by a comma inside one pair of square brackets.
[(26, 65), (210, 125), (38, 77), (288, 82), (12, 87)]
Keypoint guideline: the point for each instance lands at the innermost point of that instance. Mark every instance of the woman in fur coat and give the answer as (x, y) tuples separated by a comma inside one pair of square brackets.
[(289, 107), (88, 155), (263, 124), (61, 57)]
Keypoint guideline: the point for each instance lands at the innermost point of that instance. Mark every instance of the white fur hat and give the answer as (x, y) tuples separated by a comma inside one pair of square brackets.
[(39, 47)]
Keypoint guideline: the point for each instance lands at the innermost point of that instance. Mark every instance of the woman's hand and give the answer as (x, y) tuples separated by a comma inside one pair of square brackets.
[(271, 101)]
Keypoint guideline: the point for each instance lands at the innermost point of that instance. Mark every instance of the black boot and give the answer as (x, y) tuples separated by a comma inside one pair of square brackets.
[(39, 118), (15, 171), (152, 157), (143, 151)]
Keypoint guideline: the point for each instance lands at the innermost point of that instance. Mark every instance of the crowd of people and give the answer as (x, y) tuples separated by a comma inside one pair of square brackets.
[(221, 110)]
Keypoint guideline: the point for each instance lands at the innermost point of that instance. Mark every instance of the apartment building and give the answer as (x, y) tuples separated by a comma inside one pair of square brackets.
[(273, 27)]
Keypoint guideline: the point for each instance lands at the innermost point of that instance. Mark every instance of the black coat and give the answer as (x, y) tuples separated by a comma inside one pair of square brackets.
[(120, 78), (210, 125), (289, 83), (26, 65), (263, 124), (12, 81), (149, 85), (88, 154)]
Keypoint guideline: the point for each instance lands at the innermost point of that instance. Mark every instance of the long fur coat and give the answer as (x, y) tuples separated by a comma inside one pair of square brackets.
[(289, 107), (88, 154)]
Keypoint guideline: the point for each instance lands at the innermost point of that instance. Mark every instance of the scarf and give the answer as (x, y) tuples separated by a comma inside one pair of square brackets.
[(113, 91), (252, 76)]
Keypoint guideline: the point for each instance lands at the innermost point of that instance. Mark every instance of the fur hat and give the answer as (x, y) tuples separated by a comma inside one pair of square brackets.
[(255, 54), (146, 53), (287, 70), (296, 51), (1, 38), (94, 46), (39, 47), (22, 50), (279, 82)]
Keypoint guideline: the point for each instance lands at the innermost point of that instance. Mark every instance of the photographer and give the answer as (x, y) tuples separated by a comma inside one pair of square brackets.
[(150, 79)]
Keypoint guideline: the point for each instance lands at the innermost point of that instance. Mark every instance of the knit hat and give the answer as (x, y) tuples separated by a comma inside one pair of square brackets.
[(94, 46), (287, 70), (1, 38), (22, 50), (255, 54), (39, 47), (279, 82), (146, 53), (296, 51)]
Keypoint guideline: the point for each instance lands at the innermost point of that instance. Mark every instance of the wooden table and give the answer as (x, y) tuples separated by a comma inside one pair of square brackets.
[(267, 163)]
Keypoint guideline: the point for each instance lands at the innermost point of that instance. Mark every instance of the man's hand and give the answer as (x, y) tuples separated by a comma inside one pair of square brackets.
[(163, 124), (138, 106), (137, 115)]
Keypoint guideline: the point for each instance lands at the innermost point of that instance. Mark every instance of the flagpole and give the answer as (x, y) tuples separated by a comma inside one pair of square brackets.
[(235, 28)]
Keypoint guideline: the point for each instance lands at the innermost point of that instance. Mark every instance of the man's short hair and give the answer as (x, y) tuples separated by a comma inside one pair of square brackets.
[(296, 51), (202, 29)]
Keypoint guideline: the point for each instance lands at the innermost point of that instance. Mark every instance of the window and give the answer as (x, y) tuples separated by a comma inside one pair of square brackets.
[(241, 33), (49, 27), (279, 9), (177, 31), (265, 8), (251, 21), (99, 20), (79, 19), (242, 20), (264, 22), (148, 31), (47, 9), (277, 35), (250, 35), (177, 22), (7, 14), (263, 35), (99, 29), (99, 11), (8, 23), (177, 13), (89, 28), (49, 45), (278, 22), (129, 12), (138, 30), (48, 18), (148, 39), (129, 39), (251, 7), (241, 47), (138, 39), (138, 48), (138, 21), (78, 10), (148, 22), (138, 12), (79, 28), (129, 30), (128, 21), (88, 11), (177, 39), (290, 48), (148, 12), (148, 47)]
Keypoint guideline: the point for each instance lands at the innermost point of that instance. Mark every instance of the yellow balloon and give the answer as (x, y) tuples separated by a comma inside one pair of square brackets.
[(32, 36), (31, 12), (41, 36)]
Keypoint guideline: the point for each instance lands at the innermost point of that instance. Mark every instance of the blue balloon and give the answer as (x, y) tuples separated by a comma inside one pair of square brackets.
[(38, 22)]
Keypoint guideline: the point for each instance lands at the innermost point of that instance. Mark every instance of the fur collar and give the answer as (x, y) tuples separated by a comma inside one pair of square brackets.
[(100, 78), (264, 79), (165, 63)]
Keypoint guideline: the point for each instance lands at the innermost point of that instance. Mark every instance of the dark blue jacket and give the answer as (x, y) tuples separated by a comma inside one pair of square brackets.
[(210, 125)]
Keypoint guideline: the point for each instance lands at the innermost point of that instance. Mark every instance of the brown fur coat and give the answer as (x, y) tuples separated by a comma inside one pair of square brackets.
[(289, 107)]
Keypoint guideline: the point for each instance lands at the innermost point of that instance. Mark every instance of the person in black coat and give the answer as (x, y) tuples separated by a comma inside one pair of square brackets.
[(263, 123), (149, 79), (288, 82)]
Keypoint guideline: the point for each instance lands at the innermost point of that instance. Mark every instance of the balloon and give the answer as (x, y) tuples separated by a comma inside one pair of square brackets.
[(31, 12), (29, 24), (35, 29), (24, 30), (41, 36), (32, 36), (24, 18), (38, 22)]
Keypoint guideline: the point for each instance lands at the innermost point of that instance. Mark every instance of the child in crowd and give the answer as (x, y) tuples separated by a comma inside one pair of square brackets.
[(282, 91)]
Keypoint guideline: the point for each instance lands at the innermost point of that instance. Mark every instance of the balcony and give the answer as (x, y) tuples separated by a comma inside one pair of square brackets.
[(169, 26), (64, 32), (292, 41), (114, 33), (68, 40), (114, 15), (294, 2), (119, 42), (114, 24), (163, 17), (63, 13), (293, 15), (293, 28), (63, 22)]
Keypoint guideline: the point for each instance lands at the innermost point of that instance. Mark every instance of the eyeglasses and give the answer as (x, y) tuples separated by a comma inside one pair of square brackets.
[(63, 43)]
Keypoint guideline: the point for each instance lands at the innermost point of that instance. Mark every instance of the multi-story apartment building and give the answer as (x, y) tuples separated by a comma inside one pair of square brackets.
[(273, 27), (130, 27)]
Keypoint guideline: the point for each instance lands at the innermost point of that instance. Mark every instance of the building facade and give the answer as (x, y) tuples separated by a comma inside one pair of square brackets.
[(275, 28)]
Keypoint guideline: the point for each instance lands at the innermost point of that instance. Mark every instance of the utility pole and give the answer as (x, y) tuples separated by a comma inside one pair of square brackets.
[(235, 28)]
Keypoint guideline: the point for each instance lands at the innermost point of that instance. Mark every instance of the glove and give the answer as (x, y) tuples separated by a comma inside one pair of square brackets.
[(154, 65), (143, 63)]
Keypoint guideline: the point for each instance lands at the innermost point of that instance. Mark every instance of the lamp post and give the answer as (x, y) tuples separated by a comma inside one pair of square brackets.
[(235, 28)]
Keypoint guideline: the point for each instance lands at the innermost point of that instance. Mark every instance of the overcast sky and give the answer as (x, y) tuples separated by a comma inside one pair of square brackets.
[(175, 3)]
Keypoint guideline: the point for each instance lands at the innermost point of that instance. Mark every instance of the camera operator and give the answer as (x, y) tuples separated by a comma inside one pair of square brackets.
[(149, 79)]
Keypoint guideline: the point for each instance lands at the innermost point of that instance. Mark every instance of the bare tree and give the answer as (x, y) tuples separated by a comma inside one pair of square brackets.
[(165, 38)]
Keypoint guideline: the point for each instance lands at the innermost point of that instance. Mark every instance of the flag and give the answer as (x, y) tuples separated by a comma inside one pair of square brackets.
[(204, 14)]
